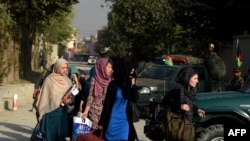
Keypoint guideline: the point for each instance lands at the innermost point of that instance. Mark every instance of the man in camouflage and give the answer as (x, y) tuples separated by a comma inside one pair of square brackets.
[(237, 81)]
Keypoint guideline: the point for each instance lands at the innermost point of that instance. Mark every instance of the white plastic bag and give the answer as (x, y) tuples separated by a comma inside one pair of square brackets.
[(80, 127)]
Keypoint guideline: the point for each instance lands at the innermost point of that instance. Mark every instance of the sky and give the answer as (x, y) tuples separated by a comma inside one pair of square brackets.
[(89, 17)]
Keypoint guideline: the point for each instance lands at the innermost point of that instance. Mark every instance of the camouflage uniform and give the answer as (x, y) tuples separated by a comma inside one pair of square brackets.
[(237, 83)]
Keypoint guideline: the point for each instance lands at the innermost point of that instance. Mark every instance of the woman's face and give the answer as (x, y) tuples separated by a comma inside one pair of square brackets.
[(109, 69), (132, 72), (64, 70), (193, 81)]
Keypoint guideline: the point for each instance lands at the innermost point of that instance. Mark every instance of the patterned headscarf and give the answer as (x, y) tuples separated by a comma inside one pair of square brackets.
[(101, 78)]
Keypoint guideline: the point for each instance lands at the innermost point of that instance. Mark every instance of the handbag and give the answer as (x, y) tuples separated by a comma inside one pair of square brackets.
[(95, 135), (37, 135), (135, 112), (178, 128), (80, 127)]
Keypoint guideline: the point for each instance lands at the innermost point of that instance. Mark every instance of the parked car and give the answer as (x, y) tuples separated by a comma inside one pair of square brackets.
[(92, 60), (160, 78), (226, 112)]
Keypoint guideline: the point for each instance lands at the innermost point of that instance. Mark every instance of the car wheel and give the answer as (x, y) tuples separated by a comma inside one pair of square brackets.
[(212, 133)]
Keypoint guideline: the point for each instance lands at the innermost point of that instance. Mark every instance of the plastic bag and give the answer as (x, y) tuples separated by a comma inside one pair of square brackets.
[(80, 127)]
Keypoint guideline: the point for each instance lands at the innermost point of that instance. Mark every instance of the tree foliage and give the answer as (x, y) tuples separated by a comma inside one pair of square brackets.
[(140, 25), (32, 18), (165, 26)]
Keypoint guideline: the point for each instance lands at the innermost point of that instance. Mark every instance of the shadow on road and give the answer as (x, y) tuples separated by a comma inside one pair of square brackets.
[(17, 132)]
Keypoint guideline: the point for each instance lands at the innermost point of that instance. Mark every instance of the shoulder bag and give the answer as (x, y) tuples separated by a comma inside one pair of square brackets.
[(178, 128), (37, 135)]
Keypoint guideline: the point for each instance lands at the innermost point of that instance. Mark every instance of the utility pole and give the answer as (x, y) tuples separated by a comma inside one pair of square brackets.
[(76, 40)]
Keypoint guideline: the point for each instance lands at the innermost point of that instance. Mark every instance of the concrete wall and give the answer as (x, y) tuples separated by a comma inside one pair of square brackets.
[(229, 54), (24, 99)]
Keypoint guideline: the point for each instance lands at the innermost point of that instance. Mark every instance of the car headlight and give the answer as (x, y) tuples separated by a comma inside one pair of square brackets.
[(144, 90), (153, 88)]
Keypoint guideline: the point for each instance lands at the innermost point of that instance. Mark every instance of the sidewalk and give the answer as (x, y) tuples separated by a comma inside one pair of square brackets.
[(18, 125)]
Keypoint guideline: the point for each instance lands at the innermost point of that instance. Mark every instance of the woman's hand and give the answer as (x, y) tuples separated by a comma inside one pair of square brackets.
[(100, 127), (132, 81), (185, 107), (40, 118), (67, 101), (84, 115), (201, 113)]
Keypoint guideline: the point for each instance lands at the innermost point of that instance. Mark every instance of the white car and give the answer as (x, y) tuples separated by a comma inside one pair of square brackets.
[(92, 60)]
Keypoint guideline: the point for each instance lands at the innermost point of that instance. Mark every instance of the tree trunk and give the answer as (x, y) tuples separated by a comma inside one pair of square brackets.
[(9, 72), (26, 49)]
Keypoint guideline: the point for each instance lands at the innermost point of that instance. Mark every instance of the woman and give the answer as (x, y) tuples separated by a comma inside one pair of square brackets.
[(52, 115), (116, 119), (98, 89), (181, 100), (74, 76), (84, 93)]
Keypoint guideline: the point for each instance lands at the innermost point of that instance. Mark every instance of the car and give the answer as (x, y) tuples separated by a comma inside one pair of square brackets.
[(160, 78), (226, 112), (92, 60)]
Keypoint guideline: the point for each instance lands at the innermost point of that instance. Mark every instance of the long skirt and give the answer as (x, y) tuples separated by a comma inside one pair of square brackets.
[(54, 124)]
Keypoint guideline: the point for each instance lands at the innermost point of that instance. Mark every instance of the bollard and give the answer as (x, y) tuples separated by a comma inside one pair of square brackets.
[(15, 102)]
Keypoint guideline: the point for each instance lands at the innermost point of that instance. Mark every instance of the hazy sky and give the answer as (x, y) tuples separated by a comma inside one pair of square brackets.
[(89, 17)]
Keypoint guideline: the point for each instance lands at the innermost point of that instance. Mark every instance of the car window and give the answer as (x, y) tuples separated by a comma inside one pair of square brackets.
[(158, 72)]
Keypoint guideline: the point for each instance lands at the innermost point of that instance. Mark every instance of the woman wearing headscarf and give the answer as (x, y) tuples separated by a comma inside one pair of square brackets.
[(86, 87), (74, 76), (181, 100), (52, 115), (116, 119), (98, 89)]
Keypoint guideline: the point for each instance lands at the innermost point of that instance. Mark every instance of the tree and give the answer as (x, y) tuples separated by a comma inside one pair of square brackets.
[(217, 21), (144, 26), (156, 27), (31, 17), (8, 48)]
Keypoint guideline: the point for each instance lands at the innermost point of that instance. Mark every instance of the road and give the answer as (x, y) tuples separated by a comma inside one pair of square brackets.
[(18, 125)]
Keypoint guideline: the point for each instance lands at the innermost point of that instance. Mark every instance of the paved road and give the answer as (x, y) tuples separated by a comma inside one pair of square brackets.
[(18, 125)]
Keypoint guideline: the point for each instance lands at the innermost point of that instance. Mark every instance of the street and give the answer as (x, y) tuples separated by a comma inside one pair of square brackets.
[(18, 125)]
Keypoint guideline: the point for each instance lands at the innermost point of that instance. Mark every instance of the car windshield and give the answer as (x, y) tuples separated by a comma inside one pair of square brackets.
[(158, 72)]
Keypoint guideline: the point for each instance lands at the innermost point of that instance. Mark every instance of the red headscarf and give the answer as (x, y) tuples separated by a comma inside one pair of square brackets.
[(101, 78)]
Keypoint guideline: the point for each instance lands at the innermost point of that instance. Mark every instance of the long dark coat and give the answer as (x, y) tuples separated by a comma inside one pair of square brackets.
[(108, 104)]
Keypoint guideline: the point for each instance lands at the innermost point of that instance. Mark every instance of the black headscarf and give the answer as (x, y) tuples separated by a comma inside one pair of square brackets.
[(183, 82), (122, 77)]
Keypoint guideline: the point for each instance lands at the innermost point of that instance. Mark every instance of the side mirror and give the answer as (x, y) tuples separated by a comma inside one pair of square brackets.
[(144, 90)]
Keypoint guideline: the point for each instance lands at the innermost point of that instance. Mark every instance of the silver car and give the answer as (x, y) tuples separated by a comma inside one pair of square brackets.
[(92, 60)]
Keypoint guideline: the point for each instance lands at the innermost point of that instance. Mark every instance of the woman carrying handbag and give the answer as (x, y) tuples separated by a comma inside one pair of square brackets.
[(181, 104)]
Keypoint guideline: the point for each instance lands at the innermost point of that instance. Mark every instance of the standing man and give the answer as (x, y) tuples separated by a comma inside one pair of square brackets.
[(210, 52), (237, 81)]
